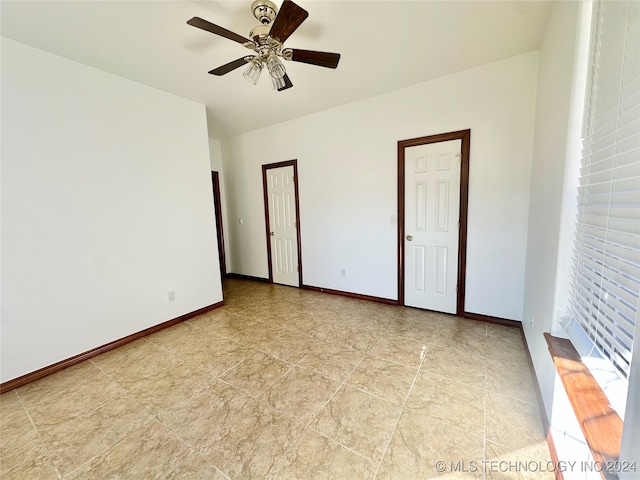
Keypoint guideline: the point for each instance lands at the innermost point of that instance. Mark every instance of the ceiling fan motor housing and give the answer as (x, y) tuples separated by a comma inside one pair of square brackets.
[(259, 32), (264, 11)]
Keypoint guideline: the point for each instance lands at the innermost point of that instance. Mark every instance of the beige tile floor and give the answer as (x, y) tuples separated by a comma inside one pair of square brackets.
[(284, 383)]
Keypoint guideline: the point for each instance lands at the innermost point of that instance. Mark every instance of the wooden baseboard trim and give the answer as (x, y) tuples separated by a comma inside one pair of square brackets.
[(543, 413), (489, 319), (239, 276), (94, 352), (600, 424), (358, 296)]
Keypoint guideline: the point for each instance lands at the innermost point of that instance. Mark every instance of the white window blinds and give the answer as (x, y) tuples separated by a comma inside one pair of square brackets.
[(606, 275)]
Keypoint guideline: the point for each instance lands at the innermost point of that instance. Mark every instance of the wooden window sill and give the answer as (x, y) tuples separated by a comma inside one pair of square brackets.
[(600, 424)]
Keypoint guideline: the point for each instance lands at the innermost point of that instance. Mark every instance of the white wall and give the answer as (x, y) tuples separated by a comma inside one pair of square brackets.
[(553, 138), (106, 207), (552, 202), (347, 160), (559, 110)]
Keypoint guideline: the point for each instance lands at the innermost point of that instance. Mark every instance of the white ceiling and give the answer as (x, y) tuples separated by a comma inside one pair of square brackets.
[(385, 45)]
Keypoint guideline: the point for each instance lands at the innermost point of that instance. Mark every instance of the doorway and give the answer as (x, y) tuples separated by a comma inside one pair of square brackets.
[(282, 220), (215, 181), (433, 186)]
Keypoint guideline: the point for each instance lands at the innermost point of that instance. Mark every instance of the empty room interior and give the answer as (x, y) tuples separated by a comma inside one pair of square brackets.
[(323, 239)]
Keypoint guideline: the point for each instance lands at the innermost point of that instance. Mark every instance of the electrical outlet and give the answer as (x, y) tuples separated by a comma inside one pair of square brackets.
[(533, 316), (343, 272), (171, 295)]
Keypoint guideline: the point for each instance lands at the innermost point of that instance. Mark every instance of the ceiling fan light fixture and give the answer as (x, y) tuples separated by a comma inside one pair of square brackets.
[(252, 73), (275, 67), (277, 83)]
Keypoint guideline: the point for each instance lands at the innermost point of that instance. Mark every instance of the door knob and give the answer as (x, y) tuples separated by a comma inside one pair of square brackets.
[(409, 237)]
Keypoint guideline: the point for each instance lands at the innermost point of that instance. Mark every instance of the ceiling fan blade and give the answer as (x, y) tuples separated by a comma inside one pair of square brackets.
[(288, 19), (322, 59), (287, 83), (229, 67), (218, 30)]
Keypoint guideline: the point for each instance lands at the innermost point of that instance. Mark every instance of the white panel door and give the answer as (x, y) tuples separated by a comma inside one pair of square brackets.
[(432, 209), (282, 225)]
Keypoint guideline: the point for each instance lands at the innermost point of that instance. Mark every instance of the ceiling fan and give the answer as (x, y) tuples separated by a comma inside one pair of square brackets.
[(266, 41)]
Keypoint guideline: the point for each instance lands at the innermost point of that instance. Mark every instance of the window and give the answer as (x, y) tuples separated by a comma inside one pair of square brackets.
[(606, 269)]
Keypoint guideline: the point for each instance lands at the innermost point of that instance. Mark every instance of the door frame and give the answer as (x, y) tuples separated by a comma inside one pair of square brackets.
[(288, 163), (217, 205), (465, 137)]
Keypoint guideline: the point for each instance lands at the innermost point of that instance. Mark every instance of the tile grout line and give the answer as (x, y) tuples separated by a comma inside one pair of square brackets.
[(395, 427), (484, 436), (191, 447), (284, 455), (153, 417), (371, 394), (39, 435), (257, 397), (49, 376), (484, 409), (304, 426), (393, 361), (355, 452), (128, 394)]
